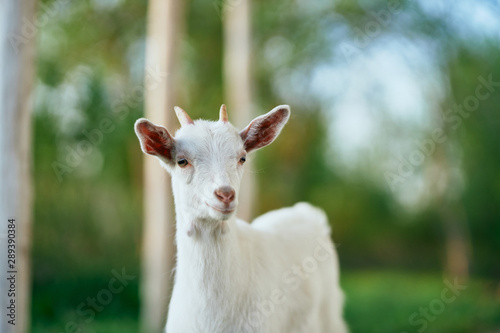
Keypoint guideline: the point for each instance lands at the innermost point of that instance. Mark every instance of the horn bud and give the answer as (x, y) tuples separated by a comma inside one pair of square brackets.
[(183, 117), (223, 114)]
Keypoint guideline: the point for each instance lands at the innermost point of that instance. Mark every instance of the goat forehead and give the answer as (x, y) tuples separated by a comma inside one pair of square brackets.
[(208, 139)]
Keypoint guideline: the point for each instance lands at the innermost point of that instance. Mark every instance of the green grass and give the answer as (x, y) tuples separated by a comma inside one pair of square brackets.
[(103, 325), (386, 302), (377, 301)]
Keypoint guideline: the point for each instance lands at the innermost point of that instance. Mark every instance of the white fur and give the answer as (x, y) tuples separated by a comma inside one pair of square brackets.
[(278, 274)]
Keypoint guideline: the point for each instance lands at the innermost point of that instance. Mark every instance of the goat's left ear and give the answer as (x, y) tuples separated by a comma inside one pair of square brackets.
[(264, 129), (155, 140)]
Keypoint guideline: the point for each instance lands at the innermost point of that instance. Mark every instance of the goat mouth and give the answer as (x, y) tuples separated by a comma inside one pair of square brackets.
[(220, 210)]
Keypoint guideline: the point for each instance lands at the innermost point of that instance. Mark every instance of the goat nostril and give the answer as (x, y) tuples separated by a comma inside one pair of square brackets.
[(220, 197), (225, 194)]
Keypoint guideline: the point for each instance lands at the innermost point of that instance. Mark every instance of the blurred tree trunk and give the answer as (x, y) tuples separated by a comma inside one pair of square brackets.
[(164, 30), (237, 85), (457, 241), (444, 191), (452, 216), (16, 81)]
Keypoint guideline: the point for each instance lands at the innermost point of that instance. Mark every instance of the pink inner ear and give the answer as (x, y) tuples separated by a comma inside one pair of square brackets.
[(262, 132), (156, 140)]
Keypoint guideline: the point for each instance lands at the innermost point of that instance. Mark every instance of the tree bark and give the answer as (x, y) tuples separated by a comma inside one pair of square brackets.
[(237, 85), (164, 30), (16, 82)]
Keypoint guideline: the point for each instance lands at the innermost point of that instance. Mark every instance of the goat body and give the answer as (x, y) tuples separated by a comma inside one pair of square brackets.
[(278, 274)]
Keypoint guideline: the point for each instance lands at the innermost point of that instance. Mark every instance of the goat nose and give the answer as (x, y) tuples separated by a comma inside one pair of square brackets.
[(225, 194)]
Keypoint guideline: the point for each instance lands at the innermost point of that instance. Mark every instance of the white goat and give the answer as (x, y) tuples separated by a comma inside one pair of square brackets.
[(278, 274)]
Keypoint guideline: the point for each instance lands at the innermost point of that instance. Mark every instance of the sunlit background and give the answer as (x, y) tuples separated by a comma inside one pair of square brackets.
[(395, 133)]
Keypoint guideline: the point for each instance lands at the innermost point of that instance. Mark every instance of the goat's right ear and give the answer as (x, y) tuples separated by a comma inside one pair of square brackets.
[(155, 140)]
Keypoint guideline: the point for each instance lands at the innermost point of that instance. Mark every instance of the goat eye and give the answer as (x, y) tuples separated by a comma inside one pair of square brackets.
[(182, 162), (243, 159)]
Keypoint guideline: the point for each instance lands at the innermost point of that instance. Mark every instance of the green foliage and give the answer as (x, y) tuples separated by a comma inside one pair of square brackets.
[(73, 305), (478, 138)]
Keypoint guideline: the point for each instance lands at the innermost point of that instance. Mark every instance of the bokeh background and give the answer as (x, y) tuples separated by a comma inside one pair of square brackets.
[(395, 134)]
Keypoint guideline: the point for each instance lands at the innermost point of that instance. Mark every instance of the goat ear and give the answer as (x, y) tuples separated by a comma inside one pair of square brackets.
[(155, 140), (264, 129)]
